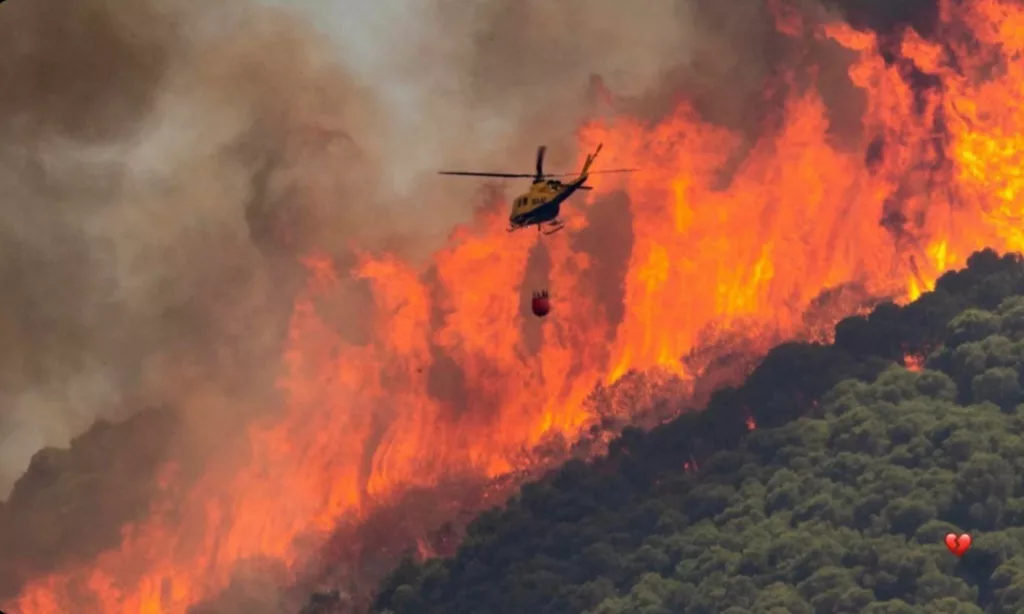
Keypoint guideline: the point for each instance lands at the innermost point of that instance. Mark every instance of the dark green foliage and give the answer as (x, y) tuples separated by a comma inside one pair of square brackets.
[(837, 503)]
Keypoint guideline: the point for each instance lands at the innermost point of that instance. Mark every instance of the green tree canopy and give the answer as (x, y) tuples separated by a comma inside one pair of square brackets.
[(837, 503)]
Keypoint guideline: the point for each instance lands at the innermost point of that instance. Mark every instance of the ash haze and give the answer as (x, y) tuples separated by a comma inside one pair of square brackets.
[(145, 143), (481, 83)]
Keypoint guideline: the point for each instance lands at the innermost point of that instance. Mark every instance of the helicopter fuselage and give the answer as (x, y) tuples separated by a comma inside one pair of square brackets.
[(542, 204)]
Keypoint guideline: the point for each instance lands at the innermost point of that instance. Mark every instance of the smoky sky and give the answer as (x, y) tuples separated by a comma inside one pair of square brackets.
[(131, 140), (152, 150), (149, 151), (889, 17)]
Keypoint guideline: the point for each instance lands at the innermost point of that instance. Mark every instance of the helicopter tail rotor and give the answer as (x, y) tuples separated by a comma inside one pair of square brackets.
[(540, 163)]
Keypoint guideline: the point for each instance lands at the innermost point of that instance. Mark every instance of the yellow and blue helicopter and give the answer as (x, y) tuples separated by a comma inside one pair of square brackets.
[(541, 205)]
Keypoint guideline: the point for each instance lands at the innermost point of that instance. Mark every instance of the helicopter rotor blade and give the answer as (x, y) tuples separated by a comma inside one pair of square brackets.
[(470, 174), (540, 162), (616, 170)]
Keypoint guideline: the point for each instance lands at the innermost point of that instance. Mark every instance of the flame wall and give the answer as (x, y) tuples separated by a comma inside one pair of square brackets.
[(727, 235)]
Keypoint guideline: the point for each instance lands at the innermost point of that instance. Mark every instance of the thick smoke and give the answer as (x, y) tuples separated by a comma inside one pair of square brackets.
[(160, 160), (162, 163), (888, 17), (479, 85), (137, 267)]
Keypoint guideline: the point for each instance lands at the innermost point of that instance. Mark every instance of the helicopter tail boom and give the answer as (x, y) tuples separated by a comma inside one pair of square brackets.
[(588, 162)]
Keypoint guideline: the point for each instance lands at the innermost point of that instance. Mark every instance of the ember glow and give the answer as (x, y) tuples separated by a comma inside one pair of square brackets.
[(935, 175)]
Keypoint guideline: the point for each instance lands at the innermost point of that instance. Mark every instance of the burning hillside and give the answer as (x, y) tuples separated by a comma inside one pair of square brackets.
[(854, 188)]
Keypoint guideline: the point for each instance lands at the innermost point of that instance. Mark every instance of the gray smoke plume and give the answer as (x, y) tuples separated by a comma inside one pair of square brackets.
[(152, 152), (132, 140)]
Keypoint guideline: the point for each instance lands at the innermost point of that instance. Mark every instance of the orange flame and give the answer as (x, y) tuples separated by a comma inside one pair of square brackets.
[(913, 362), (800, 214)]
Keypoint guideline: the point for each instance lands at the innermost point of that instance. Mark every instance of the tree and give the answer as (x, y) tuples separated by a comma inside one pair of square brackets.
[(838, 502)]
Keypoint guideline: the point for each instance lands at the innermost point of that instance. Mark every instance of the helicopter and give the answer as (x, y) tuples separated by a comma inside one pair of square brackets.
[(541, 205)]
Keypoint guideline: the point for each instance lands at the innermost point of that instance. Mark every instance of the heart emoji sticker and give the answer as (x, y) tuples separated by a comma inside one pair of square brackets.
[(958, 544)]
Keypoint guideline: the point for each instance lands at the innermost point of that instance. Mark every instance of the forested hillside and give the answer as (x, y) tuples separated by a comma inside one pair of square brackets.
[(836, 503)]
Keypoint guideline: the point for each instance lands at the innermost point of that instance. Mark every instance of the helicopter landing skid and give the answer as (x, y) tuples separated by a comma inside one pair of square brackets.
[(553, 227)]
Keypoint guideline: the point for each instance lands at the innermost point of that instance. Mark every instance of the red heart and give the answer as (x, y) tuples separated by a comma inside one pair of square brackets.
[(958, 545)]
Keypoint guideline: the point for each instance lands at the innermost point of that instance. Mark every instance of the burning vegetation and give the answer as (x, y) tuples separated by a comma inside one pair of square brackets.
[(839, 504), (842, 188)]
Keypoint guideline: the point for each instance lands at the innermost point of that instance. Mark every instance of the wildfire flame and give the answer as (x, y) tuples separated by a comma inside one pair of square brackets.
[(802, 213)]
